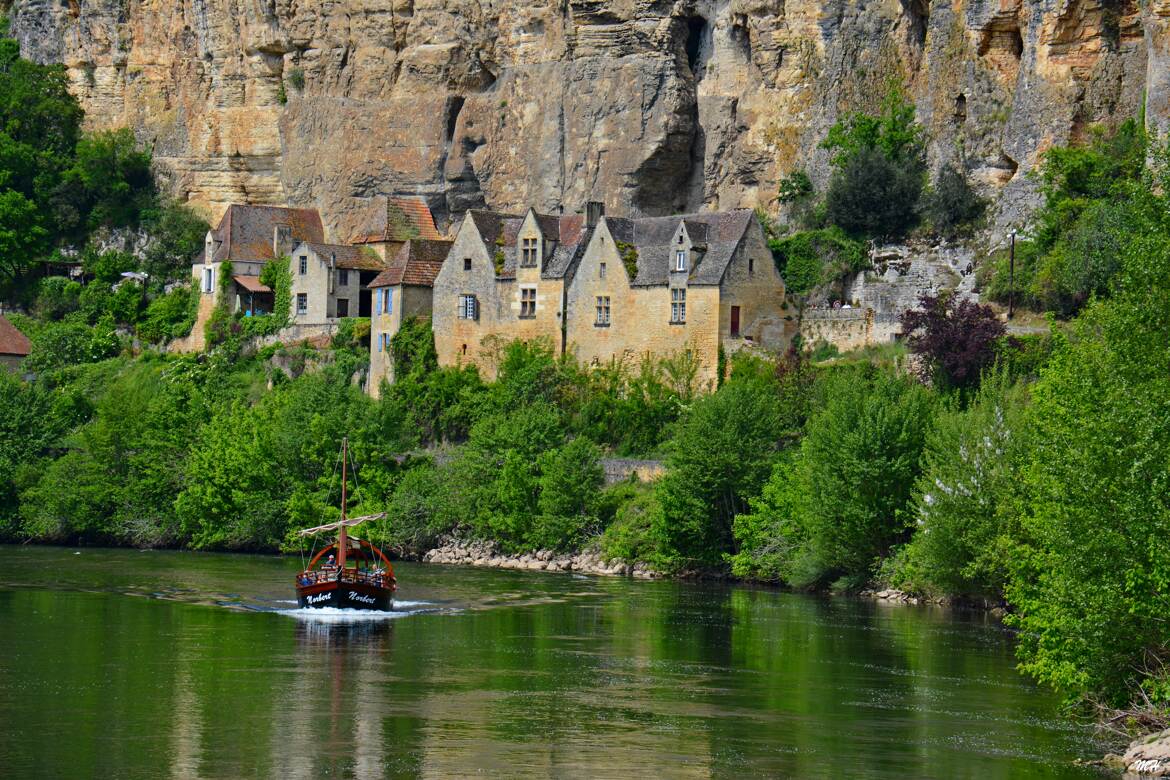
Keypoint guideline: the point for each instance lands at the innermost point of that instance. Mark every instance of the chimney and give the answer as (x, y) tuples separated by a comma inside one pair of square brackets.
[(282, 240), (594, 211)]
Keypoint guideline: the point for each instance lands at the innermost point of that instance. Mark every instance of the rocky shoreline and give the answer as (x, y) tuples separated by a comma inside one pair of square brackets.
[(894, 596), (487, 554)]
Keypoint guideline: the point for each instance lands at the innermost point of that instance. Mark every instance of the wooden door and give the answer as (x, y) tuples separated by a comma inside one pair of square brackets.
[(734, 320)]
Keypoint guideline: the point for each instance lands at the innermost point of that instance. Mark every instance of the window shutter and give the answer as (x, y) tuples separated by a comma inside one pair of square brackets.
[(378, 310)]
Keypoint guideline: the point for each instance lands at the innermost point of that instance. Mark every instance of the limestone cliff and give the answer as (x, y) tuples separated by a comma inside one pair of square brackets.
[(650, 105)]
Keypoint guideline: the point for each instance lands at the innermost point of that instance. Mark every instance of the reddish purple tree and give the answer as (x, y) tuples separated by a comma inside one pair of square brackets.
[(956, 339)]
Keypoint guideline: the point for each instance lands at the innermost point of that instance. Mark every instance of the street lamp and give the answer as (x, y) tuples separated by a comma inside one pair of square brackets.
[(1012, 277)]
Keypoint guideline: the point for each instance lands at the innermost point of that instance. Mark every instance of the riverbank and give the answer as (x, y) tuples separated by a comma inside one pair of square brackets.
[(466, 552)]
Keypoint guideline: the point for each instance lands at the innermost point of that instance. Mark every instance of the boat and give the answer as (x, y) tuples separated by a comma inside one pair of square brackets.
[(350, 573)]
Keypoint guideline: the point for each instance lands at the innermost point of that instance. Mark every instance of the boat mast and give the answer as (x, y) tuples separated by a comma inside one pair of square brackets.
[(342, 537)]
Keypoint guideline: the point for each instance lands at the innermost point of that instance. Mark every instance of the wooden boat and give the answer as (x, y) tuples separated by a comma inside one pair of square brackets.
[(350, 573)]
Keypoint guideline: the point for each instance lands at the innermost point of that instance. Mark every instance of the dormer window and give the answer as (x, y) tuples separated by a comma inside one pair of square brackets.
[(601, 270), (467, 264), (680, 260), (528, 253), (680, 239), (304, 265)]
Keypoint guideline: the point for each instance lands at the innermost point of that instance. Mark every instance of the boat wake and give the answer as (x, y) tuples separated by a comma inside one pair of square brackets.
[(334, 615)]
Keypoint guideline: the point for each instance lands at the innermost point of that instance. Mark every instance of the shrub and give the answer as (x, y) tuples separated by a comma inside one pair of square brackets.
[(296, 77), (952, 204), (874, 196), (956, 338), (56, 297)]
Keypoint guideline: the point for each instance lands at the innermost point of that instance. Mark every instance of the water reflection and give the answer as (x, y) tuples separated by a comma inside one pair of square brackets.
[(517, 675)]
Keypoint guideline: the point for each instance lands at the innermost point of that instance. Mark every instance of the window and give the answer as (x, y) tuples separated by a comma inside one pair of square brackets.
[(601, 271), (680, 260), (734, 321), (751, 265), (387, 301), (527, 302), (468, 307), (343, 307), (208, 280), (302, 303), (602, 310), (385, 342), (304, 265), (467, 264), (678, 305), (528, 253), (343, 277)]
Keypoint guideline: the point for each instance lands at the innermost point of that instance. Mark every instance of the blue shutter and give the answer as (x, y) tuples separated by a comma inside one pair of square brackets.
[(378, 303)]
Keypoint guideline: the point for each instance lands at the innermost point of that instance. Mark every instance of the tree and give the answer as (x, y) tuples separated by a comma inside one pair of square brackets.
[(956, 338), (838, 506), (952, 204)]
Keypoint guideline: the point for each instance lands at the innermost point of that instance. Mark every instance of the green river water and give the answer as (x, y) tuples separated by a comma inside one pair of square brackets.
[(127, 664)]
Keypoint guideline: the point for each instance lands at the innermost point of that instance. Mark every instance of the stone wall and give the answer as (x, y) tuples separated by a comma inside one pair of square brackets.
[(845, 329)]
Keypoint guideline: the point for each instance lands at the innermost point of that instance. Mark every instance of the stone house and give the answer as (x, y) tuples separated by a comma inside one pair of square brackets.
[(329, 281), (14, 345), (505, 278), (248, 237), (401, 291), (606, 288), (665, 285), (391, 222)]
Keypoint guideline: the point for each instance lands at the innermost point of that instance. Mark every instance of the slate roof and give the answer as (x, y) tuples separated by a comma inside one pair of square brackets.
[(402, 219), (721, 232), (565, 239), (12, 341), (417, 264), (245, 232), (355, 258)]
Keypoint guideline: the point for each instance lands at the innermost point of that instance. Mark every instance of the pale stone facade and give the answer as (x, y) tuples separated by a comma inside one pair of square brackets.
[(400, 292), (699, 282), (329, 282)]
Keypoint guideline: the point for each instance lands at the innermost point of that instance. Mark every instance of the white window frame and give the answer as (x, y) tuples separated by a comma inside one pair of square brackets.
[(468, 307), (304, 265), (208, 280), (678, 305), (601, 270), (680, 260), (302, 304)]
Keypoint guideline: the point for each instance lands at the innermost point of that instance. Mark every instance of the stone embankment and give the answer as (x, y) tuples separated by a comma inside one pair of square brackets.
[(477, 553), (1146, 757), (893, 596)]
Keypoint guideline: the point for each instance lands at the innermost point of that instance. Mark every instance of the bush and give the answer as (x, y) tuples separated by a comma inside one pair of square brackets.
[(811, 258), (963, 498), (169, 316), (296, 77), (839, 505), (956, 339), (56, 297), (874, 196), (952, 204)]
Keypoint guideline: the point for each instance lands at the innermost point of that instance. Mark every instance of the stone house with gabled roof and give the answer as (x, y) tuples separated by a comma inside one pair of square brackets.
[(664, 285), (401, 291), (505, 278), (606, 288), (393, 221), (329, 281)]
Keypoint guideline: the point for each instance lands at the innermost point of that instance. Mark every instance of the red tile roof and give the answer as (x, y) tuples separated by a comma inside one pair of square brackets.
[(12, 341), (245, 232), (403, 219), (416, 264), (251, 284), (357, 258)]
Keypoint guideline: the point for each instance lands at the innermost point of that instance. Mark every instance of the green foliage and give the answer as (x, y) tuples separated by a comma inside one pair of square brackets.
[(952, 204), (839, 504), (498, 261), (176, 235), (811, 258), (296, 77), (962, 499), (56, 297), (629, 255), (1090, 587), (874, 196), (880, 164), (169, 316), (795, 187), (112, 179), (71, 341), (718, 460)]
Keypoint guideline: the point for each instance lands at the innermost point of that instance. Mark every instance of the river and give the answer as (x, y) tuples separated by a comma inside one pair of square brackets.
[(128, 664)]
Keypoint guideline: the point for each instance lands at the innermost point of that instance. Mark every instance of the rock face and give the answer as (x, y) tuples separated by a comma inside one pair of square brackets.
[(652, 106)]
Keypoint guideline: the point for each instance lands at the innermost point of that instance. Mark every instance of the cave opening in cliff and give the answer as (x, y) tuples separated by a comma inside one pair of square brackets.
[(918, 14), (1002, 36), (454, 106), (698, 44)]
